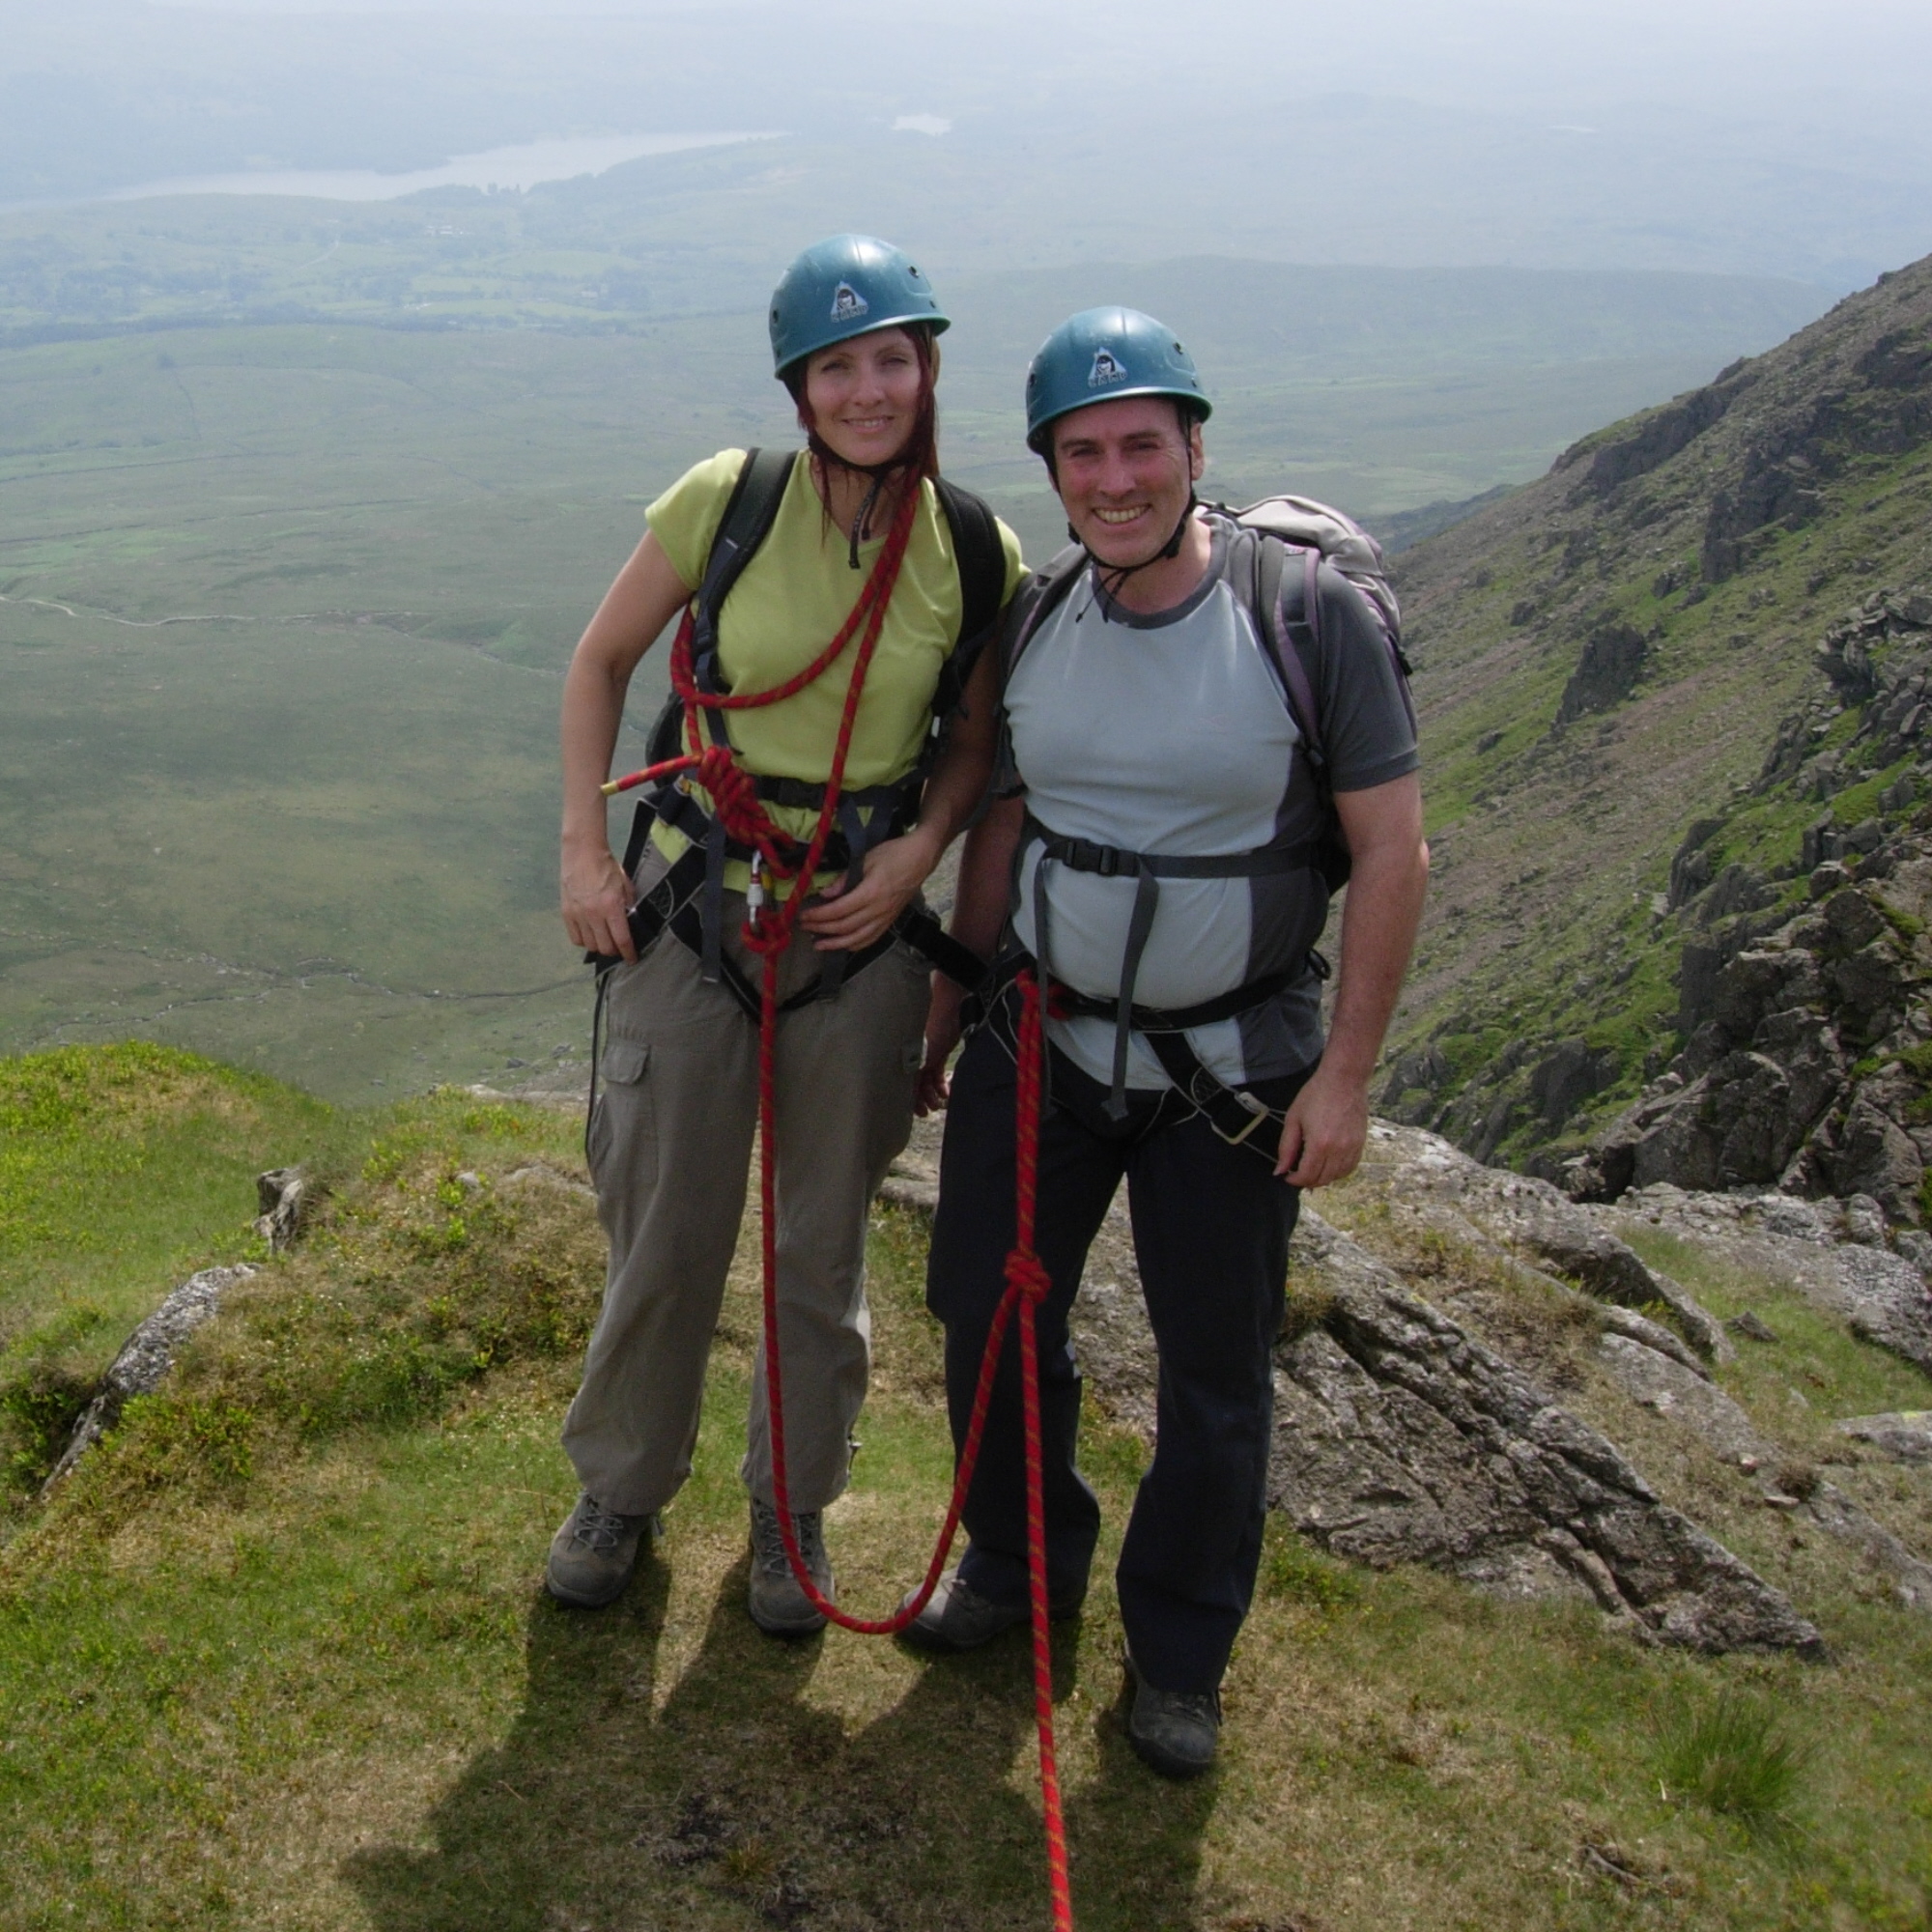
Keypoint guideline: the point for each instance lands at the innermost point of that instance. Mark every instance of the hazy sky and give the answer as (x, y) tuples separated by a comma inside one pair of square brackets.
[(1637, 133)]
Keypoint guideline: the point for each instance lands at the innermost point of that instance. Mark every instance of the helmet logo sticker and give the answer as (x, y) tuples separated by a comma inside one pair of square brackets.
[(847, 303), (1107, 368)]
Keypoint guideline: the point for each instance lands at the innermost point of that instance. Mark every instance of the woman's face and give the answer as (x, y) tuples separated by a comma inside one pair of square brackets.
[(863, 395)]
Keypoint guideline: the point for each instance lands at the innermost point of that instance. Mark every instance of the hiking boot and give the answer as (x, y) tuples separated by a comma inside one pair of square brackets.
[(957, 1617), (592, 1558), (1173, 1732), (777, 1606)]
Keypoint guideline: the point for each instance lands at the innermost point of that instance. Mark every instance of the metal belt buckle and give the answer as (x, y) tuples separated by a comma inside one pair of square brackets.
[(1256, 1111)]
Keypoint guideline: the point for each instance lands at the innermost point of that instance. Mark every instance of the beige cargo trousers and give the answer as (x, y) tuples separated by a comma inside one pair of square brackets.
[(669, 1145)]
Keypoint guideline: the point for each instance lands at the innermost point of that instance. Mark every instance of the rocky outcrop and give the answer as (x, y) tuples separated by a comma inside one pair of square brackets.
[(1400, 1438), (1424, 1181), (1804, 1009), (145, 1360), (1832, 1253), (1606, 672), (1905, 1435), (286, 1196)]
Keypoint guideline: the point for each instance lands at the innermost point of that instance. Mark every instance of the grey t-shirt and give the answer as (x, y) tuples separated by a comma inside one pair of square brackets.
[(1171, 734)]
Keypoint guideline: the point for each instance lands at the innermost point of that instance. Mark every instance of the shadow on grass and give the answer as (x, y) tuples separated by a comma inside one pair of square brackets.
[(738, 1803)]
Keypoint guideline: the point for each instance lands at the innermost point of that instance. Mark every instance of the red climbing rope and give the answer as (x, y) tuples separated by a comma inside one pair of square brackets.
[(768, 931)]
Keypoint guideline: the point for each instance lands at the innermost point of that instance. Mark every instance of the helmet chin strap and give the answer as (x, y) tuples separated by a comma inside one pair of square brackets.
[(1112, 575), (879, 472)]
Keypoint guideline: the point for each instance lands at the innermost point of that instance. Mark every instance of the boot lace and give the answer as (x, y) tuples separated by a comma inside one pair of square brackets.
[(768, 1544), (598, 1528)]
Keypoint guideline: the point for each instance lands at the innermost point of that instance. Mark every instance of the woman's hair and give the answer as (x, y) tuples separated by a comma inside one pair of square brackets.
[(919, 453)]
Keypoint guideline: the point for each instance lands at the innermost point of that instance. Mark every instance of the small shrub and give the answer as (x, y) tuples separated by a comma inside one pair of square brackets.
[(201, 1444), (39, 1407), (1734, 1756), (1292, 1572), (1308, 1305)]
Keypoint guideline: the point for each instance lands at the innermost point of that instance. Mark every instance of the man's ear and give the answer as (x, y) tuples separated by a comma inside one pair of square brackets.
[(1197, 455)]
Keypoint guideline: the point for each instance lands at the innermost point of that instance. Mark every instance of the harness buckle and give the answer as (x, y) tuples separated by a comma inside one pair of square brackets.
[(1255, 1108)]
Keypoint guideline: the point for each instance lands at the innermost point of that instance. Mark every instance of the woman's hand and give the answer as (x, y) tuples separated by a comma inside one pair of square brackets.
[(597, 901), (942, 1035), (842, 919)]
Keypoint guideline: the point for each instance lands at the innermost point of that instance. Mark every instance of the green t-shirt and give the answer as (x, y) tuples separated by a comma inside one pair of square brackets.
[(789, 601)]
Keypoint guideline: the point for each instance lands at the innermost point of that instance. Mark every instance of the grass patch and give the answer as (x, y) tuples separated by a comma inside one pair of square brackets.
[(1735, 1755)]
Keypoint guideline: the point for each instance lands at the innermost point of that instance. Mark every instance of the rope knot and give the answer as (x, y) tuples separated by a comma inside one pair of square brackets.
[(1027, 1273)]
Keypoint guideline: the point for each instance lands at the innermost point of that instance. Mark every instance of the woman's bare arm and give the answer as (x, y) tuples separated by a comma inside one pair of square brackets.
[(646, 596)]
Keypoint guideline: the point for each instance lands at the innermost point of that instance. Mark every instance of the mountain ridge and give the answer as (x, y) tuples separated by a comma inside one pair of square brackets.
[(1606, 657)]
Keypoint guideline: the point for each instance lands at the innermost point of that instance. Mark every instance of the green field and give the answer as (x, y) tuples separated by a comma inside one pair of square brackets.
[(283, 608)]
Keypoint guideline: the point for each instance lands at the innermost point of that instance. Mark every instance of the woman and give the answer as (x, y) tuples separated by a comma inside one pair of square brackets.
[(862, 517)]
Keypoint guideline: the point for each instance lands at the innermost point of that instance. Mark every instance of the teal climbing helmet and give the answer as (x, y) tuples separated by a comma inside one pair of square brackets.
[(1101, 354), (844, 286)]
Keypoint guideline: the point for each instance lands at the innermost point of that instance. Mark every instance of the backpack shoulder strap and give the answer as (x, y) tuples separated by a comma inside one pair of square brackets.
[(750, 512), (982, 560), (1036, 601), (1297, 661)]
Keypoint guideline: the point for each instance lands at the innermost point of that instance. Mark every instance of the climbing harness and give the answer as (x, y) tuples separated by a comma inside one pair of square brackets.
[(739, 808), (690, 898)]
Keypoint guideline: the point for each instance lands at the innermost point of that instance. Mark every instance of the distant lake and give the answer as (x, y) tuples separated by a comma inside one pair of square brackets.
[(517, 167)]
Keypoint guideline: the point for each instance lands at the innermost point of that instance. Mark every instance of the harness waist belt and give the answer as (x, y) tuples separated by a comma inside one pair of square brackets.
[(1236, 1116), (1146, 869)]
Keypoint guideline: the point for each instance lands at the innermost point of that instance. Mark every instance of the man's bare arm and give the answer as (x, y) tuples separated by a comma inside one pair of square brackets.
[(1327, 1125), (978, 913)]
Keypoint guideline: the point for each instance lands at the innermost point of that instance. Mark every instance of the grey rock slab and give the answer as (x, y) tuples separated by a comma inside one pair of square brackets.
[(145, 1360), (1409, 1168), (1400, 1438), (1905, 1435), (913, 1179), (1666, 1387), (1880, 1296)]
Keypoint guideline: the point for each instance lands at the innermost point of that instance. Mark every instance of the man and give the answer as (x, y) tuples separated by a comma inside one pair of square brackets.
[(1155, 845)]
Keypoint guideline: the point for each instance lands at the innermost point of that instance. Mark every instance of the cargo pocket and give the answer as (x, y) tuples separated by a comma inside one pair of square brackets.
[(622, 1142)]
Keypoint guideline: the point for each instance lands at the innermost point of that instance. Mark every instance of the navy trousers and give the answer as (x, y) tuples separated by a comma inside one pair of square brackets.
[(1211, 1227)]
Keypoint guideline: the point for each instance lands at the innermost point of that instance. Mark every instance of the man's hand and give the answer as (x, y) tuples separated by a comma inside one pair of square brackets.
[(1327, 1128), (597, 902), (842, 921), (942, 1035)]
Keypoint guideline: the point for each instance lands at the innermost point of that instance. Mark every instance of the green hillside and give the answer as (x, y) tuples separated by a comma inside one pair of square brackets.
[(282, 609), (277, 1653), (1608, 656), (123, 1168)]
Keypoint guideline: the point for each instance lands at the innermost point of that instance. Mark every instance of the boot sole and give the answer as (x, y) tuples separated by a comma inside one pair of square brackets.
[(579, 1600), (807, 1626)]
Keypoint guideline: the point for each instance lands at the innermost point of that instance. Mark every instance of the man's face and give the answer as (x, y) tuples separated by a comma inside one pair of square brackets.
[(1123, 471)]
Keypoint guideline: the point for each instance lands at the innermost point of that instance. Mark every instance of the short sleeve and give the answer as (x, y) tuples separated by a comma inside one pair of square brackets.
[(1368, 728), (684, 519), (1016, 569)]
